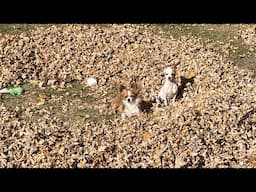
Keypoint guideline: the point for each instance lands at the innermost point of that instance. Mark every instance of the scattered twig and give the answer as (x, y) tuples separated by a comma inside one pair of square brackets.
[(247, 115)]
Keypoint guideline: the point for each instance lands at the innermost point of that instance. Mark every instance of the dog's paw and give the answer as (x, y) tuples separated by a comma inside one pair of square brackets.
[(123, 116)]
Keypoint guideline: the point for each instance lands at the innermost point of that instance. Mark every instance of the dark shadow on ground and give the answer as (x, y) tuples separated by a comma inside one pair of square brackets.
[(146, 106), (182, 87)]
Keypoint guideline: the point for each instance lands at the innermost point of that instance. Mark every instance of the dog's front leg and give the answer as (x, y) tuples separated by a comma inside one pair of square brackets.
[(123, 115), (165, 101), (173, 99)]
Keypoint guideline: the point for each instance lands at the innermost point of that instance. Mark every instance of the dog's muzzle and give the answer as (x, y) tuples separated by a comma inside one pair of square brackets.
[(129, 99)]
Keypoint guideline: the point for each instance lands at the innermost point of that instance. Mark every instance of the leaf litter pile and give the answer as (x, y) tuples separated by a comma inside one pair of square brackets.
[(212, 123)]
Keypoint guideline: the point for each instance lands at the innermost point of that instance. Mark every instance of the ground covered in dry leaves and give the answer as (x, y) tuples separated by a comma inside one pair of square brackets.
[(212, 125)]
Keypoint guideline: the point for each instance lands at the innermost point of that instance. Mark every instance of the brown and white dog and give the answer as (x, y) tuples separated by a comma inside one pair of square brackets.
[(127, 101)]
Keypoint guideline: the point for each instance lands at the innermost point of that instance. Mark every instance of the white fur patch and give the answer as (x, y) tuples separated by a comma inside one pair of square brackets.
[(168, 70), (131, 109)]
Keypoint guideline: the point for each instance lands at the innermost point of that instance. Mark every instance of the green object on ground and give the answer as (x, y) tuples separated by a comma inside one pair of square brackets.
[(16, 91)]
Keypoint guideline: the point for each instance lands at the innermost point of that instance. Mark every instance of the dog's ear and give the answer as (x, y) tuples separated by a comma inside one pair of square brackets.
[(160, 66), (134, 79), (121, 88), (163, 67), (174, 68), (135, 87)]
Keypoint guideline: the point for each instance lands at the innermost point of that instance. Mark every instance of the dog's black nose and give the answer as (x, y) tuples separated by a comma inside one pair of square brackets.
[(129, 99), (170, 78)]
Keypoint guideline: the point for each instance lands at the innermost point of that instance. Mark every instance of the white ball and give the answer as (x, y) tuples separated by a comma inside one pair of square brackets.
[(91, 81)]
